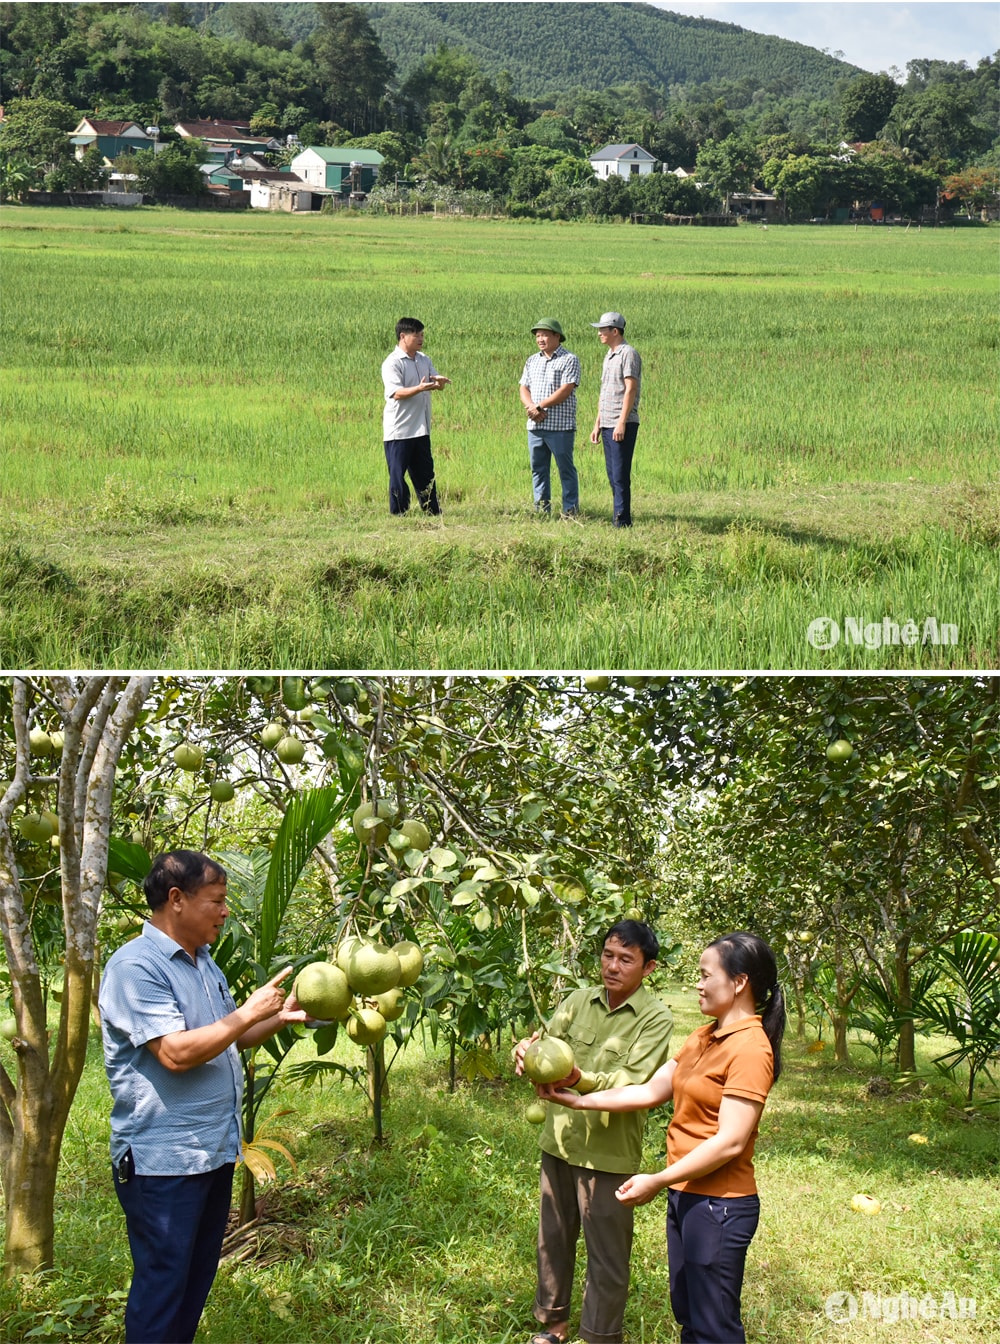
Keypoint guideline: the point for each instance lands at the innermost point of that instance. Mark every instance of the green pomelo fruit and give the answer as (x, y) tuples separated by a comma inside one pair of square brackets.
[(222, 791), (35, 828), (417, 834), (594, 682), (8, 1028), (411, 962), (40, 743), (322, 990), (367, 1027), (548, 1060), (839, 751), (535, 1114), (346, 692), (391, 1004), (271, 734), (381, 815), (188, 756), (344, 951), (290, 750), (373, 968)]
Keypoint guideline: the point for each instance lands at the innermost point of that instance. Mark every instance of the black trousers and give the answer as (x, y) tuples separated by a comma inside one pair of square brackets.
[(618, 462), (175, 1229), (707, 1242), (411, 456)]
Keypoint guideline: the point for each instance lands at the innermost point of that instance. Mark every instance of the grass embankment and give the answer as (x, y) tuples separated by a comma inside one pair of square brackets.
[(193, 472), (430, 1239)]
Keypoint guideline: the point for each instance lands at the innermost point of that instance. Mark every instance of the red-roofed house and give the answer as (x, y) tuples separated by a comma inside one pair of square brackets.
[(111, 138)]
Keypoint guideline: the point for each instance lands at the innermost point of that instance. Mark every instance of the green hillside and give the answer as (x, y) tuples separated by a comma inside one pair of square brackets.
[(552, 47)]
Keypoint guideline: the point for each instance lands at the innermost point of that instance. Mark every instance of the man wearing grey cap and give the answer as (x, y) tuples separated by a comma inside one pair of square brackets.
[(548, 394), (617, 422)]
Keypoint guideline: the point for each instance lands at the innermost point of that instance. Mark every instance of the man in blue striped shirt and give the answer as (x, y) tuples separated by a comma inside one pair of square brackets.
[(548, 394), (171, 1036)]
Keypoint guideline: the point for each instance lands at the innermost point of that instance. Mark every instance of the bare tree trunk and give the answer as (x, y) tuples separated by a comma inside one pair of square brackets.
[(98, 714)]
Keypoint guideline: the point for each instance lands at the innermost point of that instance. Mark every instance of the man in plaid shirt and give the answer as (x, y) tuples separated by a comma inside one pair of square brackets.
[(548, 394)]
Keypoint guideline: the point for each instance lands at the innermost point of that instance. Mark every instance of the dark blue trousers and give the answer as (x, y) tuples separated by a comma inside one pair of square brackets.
[(413, 456), (618, 461), (707, 1242), (175, 1229)]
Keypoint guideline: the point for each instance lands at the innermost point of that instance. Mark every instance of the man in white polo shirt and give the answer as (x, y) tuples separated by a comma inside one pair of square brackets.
[(409, 378), (617, 422)]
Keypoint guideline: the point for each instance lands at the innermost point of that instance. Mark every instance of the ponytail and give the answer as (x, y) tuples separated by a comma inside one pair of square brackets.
[(746, 954)]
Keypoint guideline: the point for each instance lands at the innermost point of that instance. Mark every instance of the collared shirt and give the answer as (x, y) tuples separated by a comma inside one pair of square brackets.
[(545, 375), (610, 1049), (619, 364), (409, 418), (716, 1062), (177, 1124)]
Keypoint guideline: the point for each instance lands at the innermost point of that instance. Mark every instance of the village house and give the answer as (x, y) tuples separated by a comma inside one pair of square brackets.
[(225, 139), (111, 138), (344, 170), (622, 161)]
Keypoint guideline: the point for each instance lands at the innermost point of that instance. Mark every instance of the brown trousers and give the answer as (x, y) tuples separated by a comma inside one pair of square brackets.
[(571, 1198)]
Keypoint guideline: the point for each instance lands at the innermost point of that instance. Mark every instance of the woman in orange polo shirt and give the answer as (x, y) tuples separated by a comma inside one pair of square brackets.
[(718, 1081)]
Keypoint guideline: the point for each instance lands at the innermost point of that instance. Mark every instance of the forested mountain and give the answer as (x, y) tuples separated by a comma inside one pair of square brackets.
[(549, 48)]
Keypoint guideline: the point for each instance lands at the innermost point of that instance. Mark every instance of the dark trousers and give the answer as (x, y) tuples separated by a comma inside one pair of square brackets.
[(413, 456), (572, 1197), (618, 461), (707, 1242), (175, 1229)]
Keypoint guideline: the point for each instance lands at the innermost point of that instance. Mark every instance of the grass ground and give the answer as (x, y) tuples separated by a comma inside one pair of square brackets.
[(192, 470), (430, 1238)]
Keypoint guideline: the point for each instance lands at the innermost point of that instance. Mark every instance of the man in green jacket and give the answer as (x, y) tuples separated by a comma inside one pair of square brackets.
[(619, 1033)]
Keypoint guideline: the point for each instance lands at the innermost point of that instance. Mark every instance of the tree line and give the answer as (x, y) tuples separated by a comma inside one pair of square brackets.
[(450, 124)]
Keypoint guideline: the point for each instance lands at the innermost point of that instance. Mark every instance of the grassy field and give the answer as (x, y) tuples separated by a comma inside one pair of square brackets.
[(430, 1239), (192, 472)]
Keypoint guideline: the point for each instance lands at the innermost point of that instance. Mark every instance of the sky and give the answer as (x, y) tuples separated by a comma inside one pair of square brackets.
[(873, 34)]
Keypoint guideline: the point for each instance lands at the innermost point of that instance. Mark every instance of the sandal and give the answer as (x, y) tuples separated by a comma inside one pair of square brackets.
[(547, 1337)]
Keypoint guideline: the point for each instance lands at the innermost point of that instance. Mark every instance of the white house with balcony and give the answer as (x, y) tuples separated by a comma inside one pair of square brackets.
[(622, 161)]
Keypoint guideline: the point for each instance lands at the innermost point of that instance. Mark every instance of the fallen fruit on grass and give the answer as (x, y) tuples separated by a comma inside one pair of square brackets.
[(535, 1114), (322, 990), (918, 1138), (548, 1060), (866, 1204)]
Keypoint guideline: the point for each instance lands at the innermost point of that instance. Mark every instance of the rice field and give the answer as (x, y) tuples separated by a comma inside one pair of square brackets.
[(192, 469)]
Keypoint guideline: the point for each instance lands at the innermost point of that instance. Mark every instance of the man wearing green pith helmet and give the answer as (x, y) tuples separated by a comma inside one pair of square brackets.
[(617, 1030), (548, 395)]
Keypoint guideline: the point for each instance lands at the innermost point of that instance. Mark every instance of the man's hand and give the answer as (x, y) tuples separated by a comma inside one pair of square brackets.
[(519, 1050), (269, 999), (618, 433), (559, 1093)]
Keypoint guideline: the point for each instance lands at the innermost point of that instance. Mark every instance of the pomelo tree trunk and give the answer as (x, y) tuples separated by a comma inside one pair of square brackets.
[(96, 715)]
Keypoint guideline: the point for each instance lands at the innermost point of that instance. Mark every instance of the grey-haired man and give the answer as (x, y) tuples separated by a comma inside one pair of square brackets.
[(617, 422)]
